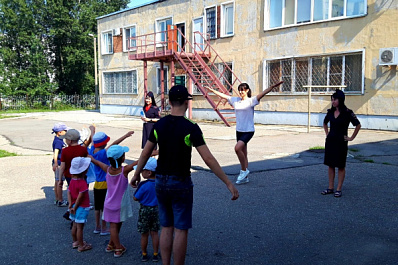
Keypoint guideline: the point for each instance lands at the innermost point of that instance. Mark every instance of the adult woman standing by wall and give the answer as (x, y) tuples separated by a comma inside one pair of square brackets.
[(244, 111), (336, 146), (150, 115)]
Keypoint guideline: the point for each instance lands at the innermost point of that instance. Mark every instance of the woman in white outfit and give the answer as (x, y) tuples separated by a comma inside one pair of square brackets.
[(244, 112)]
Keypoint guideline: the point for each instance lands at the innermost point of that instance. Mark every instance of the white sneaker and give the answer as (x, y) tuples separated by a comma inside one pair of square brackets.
[(242, 178)]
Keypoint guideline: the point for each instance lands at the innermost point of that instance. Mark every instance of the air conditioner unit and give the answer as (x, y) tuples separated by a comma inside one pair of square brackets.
[(116, 32), (388, 56)]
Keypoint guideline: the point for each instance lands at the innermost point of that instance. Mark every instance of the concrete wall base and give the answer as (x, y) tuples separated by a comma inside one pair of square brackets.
[(388, 123)]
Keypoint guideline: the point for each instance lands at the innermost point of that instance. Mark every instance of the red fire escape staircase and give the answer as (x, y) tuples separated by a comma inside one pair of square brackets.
[(196, 60)]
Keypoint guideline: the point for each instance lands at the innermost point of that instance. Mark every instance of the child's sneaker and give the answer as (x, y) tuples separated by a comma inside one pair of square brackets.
[(97, 230), (56, 202), (144, 257), (156, 258), (62, 204)]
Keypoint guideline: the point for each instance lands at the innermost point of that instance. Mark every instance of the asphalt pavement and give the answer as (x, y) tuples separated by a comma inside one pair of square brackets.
[(280, 217)]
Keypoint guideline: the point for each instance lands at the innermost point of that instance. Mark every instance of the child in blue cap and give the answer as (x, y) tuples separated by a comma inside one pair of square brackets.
[(98, 151), (117, 206), (148, 219)]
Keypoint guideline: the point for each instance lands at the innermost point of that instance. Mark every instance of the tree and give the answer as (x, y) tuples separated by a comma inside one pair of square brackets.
[(44, 44)]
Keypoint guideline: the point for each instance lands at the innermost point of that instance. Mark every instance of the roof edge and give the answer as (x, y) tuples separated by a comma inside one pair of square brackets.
[(128, 9)]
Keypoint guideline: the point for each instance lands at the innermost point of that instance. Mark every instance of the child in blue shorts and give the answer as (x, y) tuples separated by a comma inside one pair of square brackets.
[(148, 219), (79, 201)]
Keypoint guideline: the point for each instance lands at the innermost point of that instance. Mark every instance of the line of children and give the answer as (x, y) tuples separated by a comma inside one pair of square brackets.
[(148, 218), (98, 151)]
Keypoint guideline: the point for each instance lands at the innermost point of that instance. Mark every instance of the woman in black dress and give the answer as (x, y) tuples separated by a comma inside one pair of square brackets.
[(151, 115), (336, 145)]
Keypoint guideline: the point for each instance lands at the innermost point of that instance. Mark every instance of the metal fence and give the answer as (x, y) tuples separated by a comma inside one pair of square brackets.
[(55, 102)]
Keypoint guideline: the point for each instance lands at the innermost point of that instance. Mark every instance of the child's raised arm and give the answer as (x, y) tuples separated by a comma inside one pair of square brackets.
[(121, 139), (103, 166), (129, 168)]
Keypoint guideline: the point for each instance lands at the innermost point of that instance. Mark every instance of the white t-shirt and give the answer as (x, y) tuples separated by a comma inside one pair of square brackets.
[(244, 111)]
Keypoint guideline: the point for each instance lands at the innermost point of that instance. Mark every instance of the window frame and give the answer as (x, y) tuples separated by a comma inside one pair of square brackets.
[(157, 30), (267, 4), (215, 21), (134, 70), (223, 21), (266, 80), (166, 70), (104, 45), (125, 47)]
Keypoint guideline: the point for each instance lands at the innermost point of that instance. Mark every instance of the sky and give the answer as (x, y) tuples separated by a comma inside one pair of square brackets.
[(138, 2)]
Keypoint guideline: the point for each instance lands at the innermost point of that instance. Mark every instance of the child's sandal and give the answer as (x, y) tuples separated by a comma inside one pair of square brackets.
[(119, 252), (85, 247), (110, 248), (75, 244)]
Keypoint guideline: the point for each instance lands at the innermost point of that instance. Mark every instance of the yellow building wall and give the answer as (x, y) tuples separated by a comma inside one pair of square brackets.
[(251, 45)]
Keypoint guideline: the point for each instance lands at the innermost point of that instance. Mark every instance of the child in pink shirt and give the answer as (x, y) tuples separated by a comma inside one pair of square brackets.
[(79, 201)]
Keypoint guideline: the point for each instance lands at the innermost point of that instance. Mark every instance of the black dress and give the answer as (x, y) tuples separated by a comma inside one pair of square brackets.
[(152, 113), (335, 146)]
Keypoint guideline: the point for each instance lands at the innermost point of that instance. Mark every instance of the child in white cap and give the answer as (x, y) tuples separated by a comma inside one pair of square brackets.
[(148, 219), (79, 201), (117, 206)]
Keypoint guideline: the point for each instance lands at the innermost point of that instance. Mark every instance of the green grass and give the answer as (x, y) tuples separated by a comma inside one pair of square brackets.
[(354, 150), (7, 116), (66, 108), (369, 161), (4, 153), (317, 148), (386, 163)]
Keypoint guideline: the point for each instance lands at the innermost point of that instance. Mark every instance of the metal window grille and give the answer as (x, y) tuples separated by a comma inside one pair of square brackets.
[(211, 22), (323, 71), (120, 82)]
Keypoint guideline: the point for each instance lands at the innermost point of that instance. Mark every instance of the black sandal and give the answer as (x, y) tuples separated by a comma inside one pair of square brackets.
[(327, 191), (338, 193)]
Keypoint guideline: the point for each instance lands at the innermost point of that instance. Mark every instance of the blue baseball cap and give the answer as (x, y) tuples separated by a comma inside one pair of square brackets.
[(150, 165), (116, 151), (60, 126)]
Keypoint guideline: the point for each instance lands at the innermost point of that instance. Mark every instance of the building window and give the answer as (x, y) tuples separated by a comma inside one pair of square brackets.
[(107, 43), (161, 27), (227, 19), (179, 80), (280, 13), (120, 82), (128, 38), (344, 70), (165, 78), (211, 22), (223, 72)]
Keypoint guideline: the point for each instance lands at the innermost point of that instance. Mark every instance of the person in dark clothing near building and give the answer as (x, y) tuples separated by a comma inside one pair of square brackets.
[(176, 135), (336, 146)]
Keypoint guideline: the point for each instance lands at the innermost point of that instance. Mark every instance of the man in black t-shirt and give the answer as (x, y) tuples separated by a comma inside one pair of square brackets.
[(175, 135)]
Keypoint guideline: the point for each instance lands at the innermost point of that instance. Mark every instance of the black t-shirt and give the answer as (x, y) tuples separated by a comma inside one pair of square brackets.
[(176, 135), (339, 125)]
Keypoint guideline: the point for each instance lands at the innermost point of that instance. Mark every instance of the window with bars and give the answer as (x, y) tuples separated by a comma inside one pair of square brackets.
[(223, 73), (211, 22), (319, 71), (120, 82), (280, 13)]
